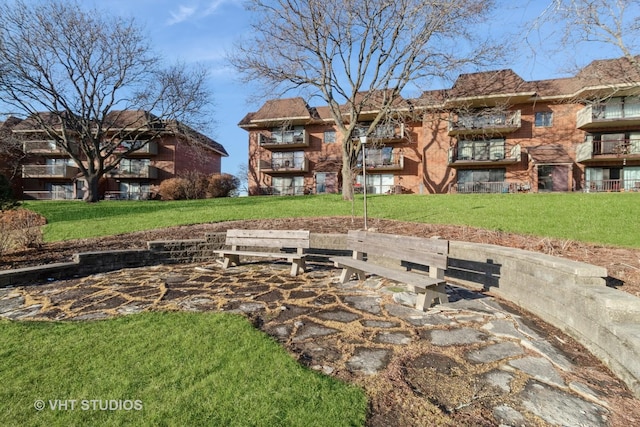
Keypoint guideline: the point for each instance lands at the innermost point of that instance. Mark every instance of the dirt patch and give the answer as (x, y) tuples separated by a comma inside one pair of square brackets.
[(623, 264)]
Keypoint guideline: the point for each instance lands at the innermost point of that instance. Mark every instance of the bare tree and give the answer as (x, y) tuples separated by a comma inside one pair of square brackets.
[(610, 23), (359, 55), (78, 75)]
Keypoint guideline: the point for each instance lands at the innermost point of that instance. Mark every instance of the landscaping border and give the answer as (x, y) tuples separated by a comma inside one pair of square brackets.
[(569, 295)]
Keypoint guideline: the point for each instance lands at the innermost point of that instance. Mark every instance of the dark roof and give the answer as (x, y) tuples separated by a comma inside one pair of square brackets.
[(129, 120), (499, 82)]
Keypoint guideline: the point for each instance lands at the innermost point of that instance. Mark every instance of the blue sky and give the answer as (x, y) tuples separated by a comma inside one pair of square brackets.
[(202, 31)]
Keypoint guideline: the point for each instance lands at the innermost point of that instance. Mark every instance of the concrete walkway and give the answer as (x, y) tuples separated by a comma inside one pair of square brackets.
[(474, 361)]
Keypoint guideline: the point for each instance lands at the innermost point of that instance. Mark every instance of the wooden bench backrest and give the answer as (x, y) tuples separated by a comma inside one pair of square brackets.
[(268, 238), (417, 250)]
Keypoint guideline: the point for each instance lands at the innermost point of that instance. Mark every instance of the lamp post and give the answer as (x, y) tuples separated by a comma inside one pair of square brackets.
[(363, 143)]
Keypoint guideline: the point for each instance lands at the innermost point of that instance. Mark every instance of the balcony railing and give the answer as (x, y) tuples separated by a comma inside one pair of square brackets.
[(135, 171), (382, 133), (48, 195), (43, 147), (611, 185), (608, 115), (149, 149), (478, 123), (293, 190), (489, 187), (488, 154), (286, 139), (127, 195), (607, 148), (284, 166), (383, 162), (49, 171)]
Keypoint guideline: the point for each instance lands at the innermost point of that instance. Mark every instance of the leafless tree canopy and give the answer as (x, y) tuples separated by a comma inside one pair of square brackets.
[(83, 69), (611, 23), (359, 55)]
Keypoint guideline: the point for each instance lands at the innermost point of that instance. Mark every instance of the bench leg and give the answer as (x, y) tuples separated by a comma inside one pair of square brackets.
[(230, 259), (297, 266), (347, 272), (437, 293)]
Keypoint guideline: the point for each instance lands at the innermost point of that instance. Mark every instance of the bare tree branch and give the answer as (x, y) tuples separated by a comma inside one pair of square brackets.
[(359, 55), (87, 71)]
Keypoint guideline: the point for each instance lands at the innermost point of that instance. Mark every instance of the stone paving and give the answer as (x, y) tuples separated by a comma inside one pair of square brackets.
[(473, 361)]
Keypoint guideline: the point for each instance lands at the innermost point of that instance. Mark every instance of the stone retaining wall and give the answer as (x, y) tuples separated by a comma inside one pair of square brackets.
[(567, 294)]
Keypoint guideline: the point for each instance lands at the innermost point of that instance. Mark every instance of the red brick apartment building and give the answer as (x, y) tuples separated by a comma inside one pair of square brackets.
[(171, 149), (491, 132)]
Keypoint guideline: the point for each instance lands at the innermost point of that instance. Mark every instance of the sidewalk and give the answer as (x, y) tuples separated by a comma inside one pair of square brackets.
[(472, 361)]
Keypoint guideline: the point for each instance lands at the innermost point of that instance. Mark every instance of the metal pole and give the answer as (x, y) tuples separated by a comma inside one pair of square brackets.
[(363, 142)]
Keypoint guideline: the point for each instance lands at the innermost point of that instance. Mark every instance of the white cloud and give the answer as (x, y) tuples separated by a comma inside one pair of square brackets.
[(183, 13)]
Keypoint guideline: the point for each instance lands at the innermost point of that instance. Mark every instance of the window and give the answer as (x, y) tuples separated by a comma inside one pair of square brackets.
[(287, 135), (288, 160), (137, 167), (544, 119), (134, 190), (377, 183), (60, 191), (377, 157), (329, 136), (284, 186), (490, 149)]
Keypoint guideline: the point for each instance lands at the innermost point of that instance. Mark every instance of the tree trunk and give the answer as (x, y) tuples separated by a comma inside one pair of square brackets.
[(92, 194), (347, 177)]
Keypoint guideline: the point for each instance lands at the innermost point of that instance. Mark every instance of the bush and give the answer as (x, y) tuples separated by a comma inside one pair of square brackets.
[(222, 185), (198, 186), (173, 189), (19, 229)]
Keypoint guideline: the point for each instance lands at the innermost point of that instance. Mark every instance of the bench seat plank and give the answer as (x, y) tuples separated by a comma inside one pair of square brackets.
[(417, 280), (413, 252), (280, 239)]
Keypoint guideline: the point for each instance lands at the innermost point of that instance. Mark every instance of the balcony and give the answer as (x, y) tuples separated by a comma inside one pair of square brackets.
[(149, 149), (484, 155), (49, 171), (470, 124), (382, 133), (611, 185), (489, 187), (380, 161), (608, 115), (43, 147), (135, 171), (284, 166), (608, 149), (286, 139)]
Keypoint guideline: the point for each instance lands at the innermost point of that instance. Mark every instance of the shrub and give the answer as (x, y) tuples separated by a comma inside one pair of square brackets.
[(197, 187), (222, 185), (20, 228), (173, 189)]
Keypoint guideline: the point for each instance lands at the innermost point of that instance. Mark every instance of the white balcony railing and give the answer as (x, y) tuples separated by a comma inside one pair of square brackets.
[(49, 171), (608, 113), (611, 185)]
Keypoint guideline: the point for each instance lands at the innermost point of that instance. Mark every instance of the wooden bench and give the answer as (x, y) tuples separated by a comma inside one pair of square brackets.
[(413, 253), (281, 239)]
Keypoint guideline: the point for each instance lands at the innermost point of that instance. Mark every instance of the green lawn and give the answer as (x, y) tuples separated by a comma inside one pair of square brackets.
[(216, 369), (607, 218), (163, 369)]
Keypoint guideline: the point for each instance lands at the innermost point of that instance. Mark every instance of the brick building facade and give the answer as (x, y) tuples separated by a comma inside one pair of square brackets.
[(490, 132), (170, 149)]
